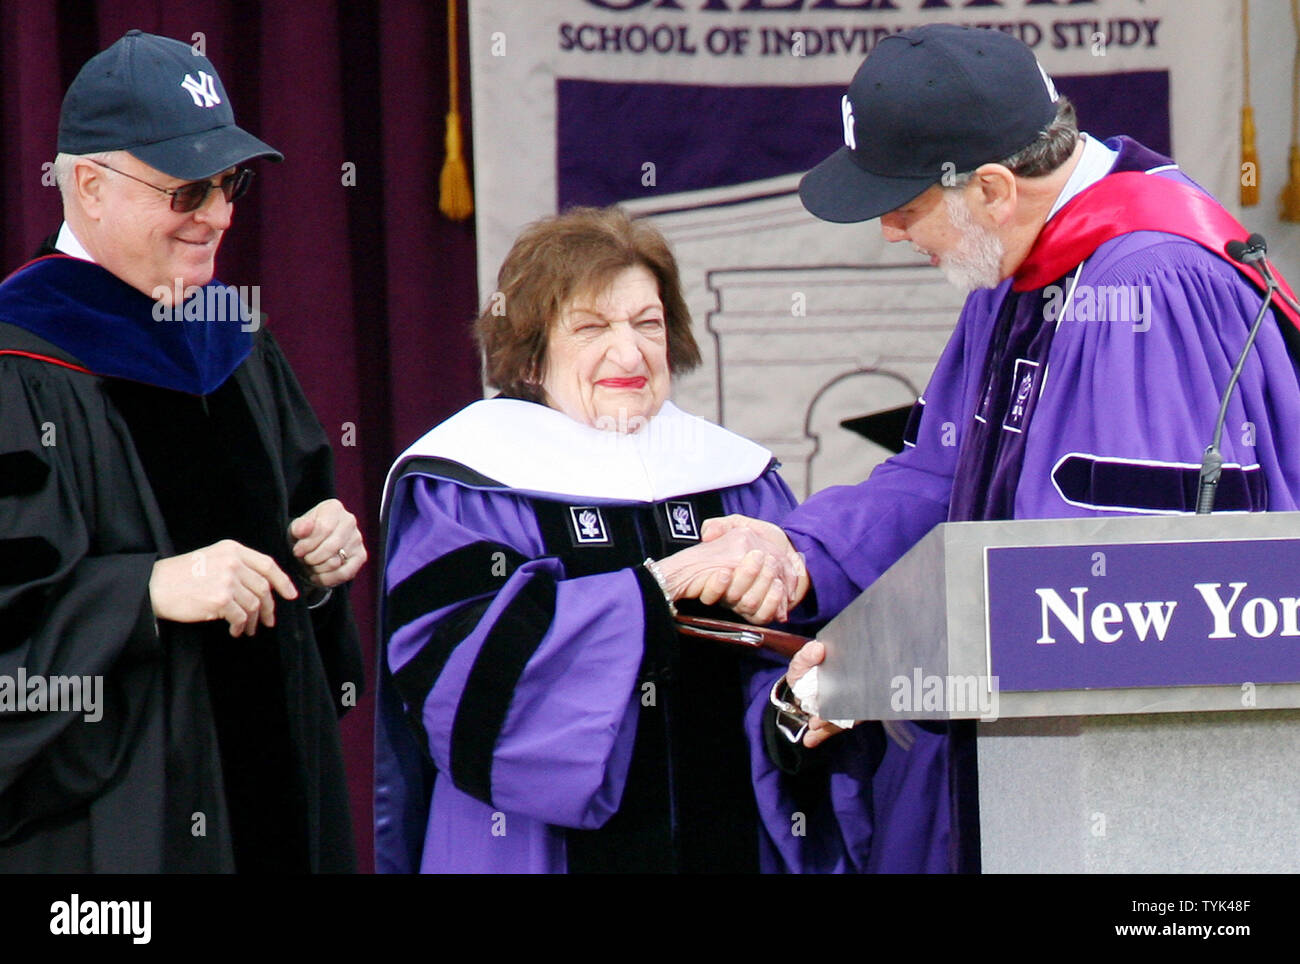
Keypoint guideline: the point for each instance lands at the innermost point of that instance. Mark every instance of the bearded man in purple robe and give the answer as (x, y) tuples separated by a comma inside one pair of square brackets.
[(539, 711), (1084, 374)]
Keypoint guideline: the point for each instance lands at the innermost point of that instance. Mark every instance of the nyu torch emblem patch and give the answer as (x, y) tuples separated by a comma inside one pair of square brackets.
[(588, 526), (1023, 386), (681, 521)]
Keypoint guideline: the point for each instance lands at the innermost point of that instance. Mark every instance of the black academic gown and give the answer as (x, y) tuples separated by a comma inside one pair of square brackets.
[(212, 754)]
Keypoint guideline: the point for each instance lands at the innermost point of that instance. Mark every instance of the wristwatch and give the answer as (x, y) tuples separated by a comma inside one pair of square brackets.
[(790, 719)]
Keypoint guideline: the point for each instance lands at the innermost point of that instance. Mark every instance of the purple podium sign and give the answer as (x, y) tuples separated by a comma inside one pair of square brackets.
[(1144, 614)]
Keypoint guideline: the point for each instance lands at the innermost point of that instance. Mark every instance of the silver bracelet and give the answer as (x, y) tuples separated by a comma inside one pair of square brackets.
[(653, 568)]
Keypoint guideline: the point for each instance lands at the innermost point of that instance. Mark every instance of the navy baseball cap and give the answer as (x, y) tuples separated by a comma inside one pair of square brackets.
[(929, 101), (157, 99)]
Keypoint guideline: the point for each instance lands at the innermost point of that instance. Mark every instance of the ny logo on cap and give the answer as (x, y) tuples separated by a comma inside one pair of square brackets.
[(846, 110), (203, 90)]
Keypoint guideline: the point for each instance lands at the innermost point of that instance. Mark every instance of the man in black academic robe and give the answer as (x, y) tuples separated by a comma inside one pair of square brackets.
[(168, 532)]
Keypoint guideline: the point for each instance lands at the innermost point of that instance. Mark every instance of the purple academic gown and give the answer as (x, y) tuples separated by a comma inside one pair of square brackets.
[(551, 663), (1086, 415)]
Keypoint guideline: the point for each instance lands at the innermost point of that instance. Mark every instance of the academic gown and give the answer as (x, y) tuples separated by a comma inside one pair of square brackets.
[(1090, 413), (542, 715), (213, 754)]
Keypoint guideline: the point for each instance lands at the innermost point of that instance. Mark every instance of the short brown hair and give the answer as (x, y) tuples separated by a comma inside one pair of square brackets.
[(562, 257), (1053, 146)]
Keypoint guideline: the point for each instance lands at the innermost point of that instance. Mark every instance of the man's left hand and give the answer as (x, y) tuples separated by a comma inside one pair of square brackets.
[(812, 654), (328, 543)]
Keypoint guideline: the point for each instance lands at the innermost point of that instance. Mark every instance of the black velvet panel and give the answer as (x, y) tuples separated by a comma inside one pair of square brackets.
[(688, 804), (416, 679), (21, 473), (1167, 488), (26, 559), (470, 571), (491, 684)]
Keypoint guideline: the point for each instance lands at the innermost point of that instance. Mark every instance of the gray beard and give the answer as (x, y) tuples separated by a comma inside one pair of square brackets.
[(977, 260)]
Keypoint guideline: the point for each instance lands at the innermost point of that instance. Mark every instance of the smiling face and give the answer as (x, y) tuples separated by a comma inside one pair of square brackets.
[(940, 224), (607, 355), (133, 232)]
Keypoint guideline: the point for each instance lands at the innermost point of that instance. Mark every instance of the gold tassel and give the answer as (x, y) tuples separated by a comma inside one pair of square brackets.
[(457, 201), (1290, 197), (1249, 159), (1248, 174), (1291, 193)]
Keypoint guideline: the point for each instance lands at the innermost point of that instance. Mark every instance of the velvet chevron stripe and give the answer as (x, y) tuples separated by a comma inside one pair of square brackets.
[(518, 632)]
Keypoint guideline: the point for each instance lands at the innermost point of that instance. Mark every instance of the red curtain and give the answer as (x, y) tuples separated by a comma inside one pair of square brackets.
[(368, 287)]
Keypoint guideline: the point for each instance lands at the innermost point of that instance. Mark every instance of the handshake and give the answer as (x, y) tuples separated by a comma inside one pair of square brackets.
[(746, 564), (750, 566)]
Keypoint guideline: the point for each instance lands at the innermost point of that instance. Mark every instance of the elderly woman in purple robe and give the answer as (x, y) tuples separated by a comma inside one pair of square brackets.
[(539, 711)]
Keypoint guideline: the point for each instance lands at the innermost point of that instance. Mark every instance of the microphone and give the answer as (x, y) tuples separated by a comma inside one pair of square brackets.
[(1252, 251), (1256, 252)]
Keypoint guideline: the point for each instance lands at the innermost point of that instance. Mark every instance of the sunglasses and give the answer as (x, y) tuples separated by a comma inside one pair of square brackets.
[(191, 197)]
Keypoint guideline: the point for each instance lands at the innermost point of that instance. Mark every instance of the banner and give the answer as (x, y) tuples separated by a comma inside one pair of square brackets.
[(703, 114), (1210, 613)]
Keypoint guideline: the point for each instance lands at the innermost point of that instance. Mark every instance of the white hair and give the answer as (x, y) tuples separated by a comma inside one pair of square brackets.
[(63, 166), (976, 261)]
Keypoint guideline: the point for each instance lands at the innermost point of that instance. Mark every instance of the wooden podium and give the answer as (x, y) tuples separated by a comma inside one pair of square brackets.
[(1137, 680)]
